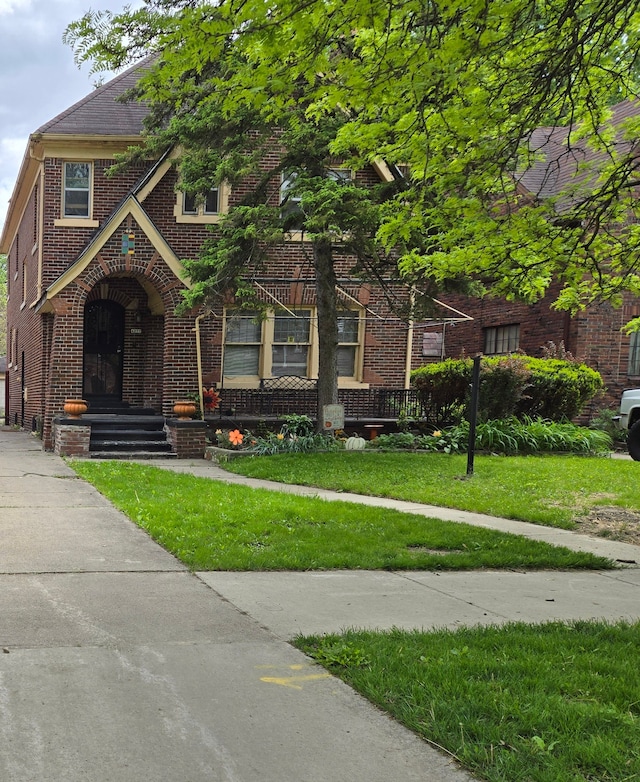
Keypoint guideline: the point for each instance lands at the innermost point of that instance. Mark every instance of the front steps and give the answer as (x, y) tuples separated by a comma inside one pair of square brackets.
[(127, 434)]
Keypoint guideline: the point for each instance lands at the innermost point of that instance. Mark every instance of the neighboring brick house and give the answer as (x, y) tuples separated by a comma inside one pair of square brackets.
[(593, 336), (94, 277)]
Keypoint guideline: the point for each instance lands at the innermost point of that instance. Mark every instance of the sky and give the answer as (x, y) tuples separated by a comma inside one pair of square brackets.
[(38, 76)]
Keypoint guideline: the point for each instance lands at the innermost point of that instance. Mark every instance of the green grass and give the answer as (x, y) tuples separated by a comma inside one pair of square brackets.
[(548, 703), (550, 490), (210, 525)]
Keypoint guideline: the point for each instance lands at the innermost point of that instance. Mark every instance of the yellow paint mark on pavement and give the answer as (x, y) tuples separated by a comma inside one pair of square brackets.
[(295, 682)]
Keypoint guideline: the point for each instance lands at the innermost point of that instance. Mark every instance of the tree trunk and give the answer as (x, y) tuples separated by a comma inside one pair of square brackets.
[(327, 303)]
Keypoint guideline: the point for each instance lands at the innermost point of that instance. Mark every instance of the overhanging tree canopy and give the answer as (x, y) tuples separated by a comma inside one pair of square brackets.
[(453, 91)]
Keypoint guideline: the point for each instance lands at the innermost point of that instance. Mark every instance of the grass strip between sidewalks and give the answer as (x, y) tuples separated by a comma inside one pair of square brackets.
[(550, 490), (558, 702), (210, 525)]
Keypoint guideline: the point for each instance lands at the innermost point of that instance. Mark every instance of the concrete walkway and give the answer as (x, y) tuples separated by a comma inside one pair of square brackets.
[(117, 664)]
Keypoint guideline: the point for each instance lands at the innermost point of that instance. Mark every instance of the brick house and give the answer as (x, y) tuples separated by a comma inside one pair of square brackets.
[(95, 276), (594, 336)]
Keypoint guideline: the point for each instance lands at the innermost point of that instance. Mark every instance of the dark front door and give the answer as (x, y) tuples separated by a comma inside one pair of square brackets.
[(103, 351)]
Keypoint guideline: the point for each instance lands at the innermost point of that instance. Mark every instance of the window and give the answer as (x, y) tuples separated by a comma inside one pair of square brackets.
[(290, 209), (77, 188), (634, 353), (190, 209), (208, 207), (290, 346), (348, 344), (501, 339), (341, 175), (286, 343), (243, 340), (290, 202)]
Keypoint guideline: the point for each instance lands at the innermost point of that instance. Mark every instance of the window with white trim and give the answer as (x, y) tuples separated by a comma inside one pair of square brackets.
[(285, 342), (633, 367), (77, 190), (290, 345), (348, 343), (501, 339)]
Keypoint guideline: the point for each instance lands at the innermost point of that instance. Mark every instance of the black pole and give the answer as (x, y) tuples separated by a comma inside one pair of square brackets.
[(473, 413)]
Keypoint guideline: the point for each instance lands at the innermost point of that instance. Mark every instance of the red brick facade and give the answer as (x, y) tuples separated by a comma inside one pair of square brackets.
[(67, 267)]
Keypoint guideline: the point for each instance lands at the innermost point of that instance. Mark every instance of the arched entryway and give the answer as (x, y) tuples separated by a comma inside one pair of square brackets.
[(103, 352)]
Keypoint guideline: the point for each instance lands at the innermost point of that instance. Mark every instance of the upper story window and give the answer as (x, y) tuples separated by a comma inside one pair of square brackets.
[(189, 209), (290, 201), (77, 199), (501, 339), (77, 190)]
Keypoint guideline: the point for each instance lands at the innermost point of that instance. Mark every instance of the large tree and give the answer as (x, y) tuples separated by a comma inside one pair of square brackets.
[(451, 92), (280, 157)]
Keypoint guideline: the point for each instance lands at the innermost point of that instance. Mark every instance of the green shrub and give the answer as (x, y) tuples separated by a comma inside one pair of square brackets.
[(394, 440), (516, 385), (603, 420), (503, 384), (444, 388), (558, 389), (505, 436)]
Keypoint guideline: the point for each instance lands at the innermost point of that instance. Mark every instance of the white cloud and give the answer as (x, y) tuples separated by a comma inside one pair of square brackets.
[(9, 6)]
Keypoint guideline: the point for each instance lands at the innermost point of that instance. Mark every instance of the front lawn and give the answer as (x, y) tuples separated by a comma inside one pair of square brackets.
[(210, 525), (550, 490), (542, 703)]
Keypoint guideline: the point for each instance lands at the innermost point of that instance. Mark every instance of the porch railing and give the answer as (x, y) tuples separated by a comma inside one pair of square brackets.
[(359, 404)]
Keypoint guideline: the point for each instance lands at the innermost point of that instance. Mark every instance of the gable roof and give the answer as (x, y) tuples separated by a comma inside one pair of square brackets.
[(101, 113)]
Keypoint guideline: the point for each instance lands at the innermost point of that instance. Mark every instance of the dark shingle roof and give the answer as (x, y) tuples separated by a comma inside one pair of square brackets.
[(100, 113), (567, 162)]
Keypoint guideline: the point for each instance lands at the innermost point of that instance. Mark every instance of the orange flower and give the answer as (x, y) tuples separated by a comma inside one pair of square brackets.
[(437, 433), (236, 437), (280, 436)]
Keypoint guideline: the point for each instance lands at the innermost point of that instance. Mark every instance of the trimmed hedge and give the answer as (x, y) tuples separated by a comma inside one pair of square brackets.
[(516, 385)]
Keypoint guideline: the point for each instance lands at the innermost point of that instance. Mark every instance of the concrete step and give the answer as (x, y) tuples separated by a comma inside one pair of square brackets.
[(134, 434), (129, 445), (146, 455), (127, 434)]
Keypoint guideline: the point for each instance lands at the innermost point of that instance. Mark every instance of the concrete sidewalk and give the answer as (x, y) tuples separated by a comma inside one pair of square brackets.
[(323, 602), (120, 665)]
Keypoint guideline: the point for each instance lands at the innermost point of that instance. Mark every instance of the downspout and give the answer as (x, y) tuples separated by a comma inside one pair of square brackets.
[(407, 368), (407, 364), (199, 362)]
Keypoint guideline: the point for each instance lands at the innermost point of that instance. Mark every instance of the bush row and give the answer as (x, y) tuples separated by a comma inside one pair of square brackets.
[(510, 386)]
